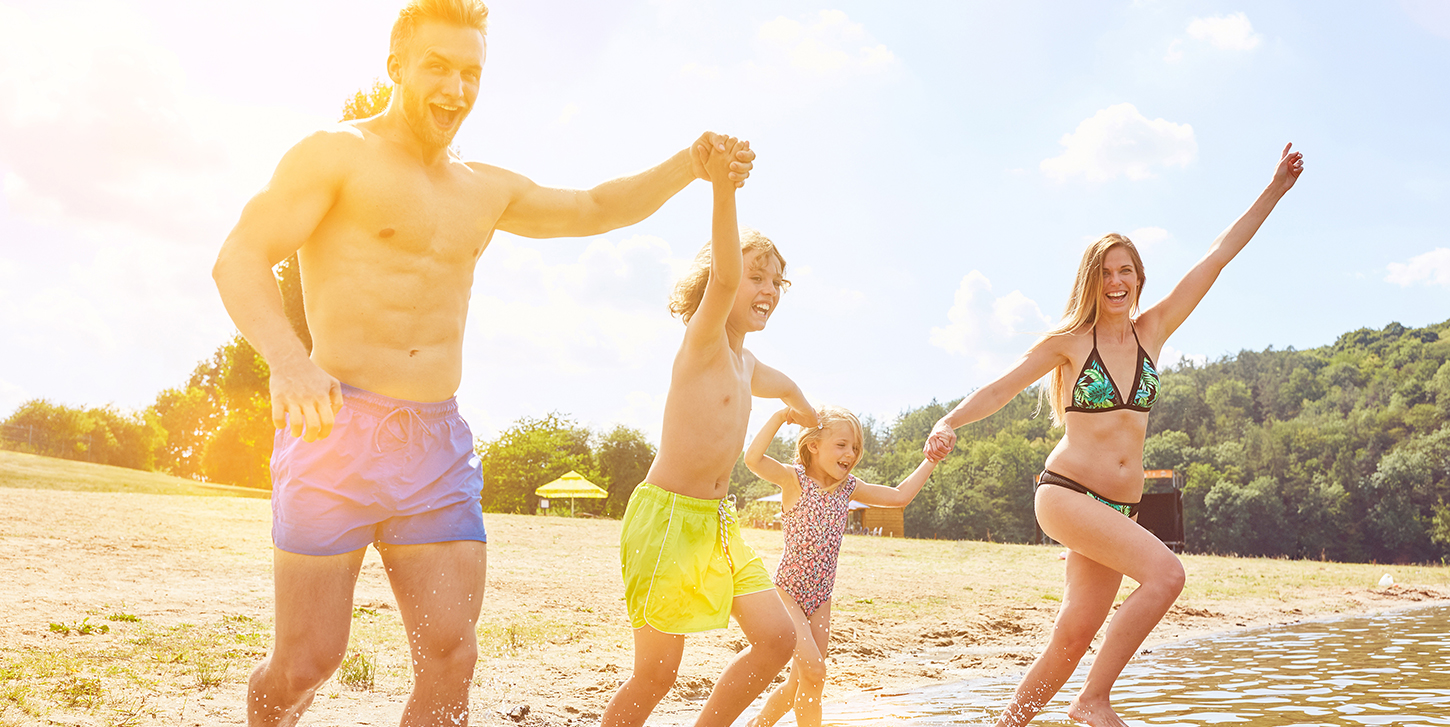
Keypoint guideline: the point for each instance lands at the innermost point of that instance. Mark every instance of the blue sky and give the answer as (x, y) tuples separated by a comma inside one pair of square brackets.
[(931, 172)]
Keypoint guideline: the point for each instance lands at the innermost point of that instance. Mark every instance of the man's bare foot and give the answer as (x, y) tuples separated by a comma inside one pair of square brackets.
[(1094, 713)]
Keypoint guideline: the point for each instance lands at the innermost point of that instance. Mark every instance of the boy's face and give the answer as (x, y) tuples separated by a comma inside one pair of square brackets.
[(759, 292)]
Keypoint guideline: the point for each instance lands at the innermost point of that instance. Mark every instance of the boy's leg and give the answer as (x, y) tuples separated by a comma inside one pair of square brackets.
[(801, 690), (656, 663), (313, 603), (439, 587), (772, 638)]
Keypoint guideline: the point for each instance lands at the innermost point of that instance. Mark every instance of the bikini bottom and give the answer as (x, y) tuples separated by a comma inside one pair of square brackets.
[(1049, 477)]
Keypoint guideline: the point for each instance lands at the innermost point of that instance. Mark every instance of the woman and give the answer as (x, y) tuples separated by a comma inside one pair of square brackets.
[(1102, 384)]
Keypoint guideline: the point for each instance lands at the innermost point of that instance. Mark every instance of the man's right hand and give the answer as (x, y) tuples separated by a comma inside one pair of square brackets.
[(306, 398), (711, 143)]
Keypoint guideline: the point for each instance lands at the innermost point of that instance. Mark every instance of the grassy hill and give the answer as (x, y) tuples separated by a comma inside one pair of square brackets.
[(34, 472)]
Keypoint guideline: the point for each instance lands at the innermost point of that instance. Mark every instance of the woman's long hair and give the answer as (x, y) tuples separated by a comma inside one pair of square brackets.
[(1082, 309)]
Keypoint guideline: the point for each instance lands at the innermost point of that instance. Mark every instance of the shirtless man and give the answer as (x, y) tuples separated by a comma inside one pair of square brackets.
[(388, 227)]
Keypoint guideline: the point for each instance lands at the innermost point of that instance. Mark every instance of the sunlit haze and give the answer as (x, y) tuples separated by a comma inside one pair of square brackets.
[(931, 172)]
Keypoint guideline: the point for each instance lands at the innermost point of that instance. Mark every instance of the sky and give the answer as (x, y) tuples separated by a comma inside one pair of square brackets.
[(931, 172)]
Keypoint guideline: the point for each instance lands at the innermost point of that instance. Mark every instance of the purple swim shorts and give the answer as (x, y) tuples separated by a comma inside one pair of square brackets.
[(392, 471)]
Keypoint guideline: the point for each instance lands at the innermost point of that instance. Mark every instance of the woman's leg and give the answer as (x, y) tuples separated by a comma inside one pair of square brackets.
[(1086, 601), (807, 672), (1104, 536)]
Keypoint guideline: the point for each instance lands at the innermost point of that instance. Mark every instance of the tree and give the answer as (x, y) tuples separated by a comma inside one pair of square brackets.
[(528, 455), (623, 457), (103, 435)]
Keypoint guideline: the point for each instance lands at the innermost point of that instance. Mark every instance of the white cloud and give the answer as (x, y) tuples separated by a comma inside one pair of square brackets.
[(569, 112), (1120, 141), (1170, 357), (826, 46), (984, 327), (1226, 32), (1146, 237), (1431, 268)]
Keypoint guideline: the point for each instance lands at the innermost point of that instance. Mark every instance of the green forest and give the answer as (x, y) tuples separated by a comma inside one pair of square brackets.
[(1339, 453)]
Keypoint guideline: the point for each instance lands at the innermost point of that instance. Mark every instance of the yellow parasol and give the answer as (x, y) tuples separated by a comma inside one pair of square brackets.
[(571, 485)]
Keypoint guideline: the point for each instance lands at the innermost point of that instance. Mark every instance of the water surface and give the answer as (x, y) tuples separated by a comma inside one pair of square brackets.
[(1389, 669)]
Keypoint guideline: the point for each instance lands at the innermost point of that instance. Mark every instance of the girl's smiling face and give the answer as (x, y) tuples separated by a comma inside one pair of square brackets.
[(835, 452), (759, 292)]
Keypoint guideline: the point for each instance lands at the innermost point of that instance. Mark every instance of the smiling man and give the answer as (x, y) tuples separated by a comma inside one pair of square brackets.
[(388, 225)]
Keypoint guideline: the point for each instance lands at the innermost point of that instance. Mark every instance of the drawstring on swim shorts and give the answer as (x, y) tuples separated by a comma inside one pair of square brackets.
[(727, 517), (402, 435)]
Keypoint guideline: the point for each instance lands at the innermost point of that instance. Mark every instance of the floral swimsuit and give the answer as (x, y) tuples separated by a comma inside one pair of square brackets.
[(813, 530)]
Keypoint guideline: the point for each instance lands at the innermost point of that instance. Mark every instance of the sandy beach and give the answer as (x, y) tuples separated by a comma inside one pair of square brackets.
[(182, 587)]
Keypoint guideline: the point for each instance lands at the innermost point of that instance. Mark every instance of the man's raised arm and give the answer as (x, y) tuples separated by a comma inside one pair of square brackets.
[(537, 211), (273, 225)]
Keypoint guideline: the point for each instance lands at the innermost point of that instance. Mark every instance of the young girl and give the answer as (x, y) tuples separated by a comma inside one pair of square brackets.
[(815, 505)]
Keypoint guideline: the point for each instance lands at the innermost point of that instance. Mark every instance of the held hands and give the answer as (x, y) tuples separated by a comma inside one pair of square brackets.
[(941, 442), (1289, 168), (736, 157), (306, 398)]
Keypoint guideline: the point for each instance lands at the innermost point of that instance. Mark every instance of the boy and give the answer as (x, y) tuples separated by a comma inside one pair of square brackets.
[(686, 568)]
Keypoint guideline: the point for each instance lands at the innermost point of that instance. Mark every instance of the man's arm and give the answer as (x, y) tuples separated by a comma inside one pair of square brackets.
[(536, 211), (273, 225)]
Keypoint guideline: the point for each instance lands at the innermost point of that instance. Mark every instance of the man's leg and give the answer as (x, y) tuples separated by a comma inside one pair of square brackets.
[(656, 664), (313, 597), (772, 638), (439, 587)]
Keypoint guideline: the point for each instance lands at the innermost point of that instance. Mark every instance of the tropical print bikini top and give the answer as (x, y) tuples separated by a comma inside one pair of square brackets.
[(1095, 391)]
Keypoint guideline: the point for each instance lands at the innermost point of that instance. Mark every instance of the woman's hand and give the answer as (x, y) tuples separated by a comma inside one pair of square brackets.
[(1289, 169), (941, 442)]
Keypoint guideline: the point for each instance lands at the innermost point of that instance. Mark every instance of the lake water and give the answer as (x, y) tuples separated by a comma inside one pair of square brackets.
[(1391, 669)]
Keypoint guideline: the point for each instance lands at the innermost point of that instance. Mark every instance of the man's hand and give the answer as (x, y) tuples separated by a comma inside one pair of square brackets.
[(307, 398), (712, 143)]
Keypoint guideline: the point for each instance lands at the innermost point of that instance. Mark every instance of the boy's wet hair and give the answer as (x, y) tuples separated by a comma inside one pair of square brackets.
[(688, 292), (464, 13), (828, 415)]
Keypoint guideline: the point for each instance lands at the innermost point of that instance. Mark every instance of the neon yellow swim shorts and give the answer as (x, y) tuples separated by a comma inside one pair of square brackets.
[(678, 576)]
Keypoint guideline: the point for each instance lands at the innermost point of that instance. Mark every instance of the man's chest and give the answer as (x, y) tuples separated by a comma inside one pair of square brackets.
[(408, 210)]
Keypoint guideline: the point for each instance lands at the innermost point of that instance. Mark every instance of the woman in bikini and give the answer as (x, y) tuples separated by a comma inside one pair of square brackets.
[(1086, 497)]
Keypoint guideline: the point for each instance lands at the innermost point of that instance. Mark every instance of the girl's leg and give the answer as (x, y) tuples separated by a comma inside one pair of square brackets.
[(813, 670), (1108, 538), (771, 634), (1086, 601), (656, 662), (802, 688)]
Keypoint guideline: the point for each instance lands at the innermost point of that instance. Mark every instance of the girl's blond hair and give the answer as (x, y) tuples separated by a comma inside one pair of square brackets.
[(1082, 309), (828, 416), (690, 290)]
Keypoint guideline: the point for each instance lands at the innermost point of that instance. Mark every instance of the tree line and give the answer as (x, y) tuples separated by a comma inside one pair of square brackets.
[(1340, 452)]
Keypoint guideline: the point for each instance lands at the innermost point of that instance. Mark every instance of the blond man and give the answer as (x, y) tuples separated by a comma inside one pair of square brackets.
[(388, 225)]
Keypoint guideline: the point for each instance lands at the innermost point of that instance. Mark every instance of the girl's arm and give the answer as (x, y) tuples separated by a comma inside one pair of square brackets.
[(1161, 320), (763, 465), (1048, 353), (900, 496)]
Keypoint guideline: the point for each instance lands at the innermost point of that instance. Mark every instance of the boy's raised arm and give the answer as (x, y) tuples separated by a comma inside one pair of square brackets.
[(727, 262)]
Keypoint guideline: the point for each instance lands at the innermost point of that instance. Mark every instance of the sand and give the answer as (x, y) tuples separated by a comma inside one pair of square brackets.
[(195, 575)]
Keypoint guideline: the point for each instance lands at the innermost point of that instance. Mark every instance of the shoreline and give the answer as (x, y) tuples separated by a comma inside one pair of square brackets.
[(195, 574)]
